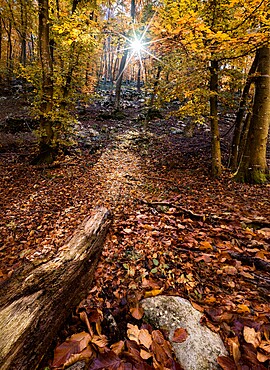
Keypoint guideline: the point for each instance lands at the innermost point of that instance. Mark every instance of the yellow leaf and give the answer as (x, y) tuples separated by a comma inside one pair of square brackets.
[(153, 293), (243, 308)]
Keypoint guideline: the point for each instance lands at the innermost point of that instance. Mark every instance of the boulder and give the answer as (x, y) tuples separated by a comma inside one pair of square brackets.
[(201, 348)]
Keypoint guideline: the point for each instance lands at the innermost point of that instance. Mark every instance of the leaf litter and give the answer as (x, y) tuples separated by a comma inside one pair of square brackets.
[(176, 231)]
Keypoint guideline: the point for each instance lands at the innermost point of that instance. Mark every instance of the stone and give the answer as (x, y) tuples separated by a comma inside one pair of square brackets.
[(201, 348)]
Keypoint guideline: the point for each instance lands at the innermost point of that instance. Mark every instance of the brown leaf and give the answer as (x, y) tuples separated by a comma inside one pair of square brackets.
[(133, 333), (251, 336), (180, 335), (149, 284), (261, 357), (145, 355), (87, 354), (230, 270), (226, 363), (105, 360), (145, 338), (234, 347), (100, 341), (137, 312), (84, 318), (118, 347), (75, 344), (265, 345)]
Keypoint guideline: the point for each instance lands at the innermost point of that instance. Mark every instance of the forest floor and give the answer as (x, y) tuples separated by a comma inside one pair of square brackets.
[(176, 230)]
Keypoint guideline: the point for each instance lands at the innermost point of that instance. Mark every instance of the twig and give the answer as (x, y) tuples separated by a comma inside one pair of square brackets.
[(190, 213)]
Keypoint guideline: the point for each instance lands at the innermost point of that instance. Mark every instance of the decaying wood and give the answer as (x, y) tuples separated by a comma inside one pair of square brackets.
[(34, 304)]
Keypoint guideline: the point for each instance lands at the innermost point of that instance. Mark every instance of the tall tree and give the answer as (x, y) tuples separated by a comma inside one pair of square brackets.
[(46, 92), (253, 166)]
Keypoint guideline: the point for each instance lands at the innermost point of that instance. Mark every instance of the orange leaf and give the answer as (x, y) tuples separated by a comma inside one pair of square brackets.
[(180, 335), (205, 245)]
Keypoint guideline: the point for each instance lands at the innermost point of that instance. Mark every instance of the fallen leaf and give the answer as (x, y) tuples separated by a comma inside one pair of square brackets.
[(153, 293), (251, 336), (205, 245), (137, 312), (265, 345), (145, 338), (75, 344), (242, 308), (133, 332), (234, 347), (180, 335), (226, 363), (230, 270), (100, 341), (262, 357), (107, 360), (118, 347), (145, 355), (86, 355)]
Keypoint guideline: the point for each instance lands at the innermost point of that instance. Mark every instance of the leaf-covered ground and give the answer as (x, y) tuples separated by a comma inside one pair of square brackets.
[(176, 231)]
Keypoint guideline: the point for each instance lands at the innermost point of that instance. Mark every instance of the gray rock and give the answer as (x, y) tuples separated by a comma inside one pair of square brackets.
[(201, 348), (80, 365)]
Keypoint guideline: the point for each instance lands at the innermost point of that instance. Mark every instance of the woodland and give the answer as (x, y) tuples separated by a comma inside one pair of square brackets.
[(134, 156)]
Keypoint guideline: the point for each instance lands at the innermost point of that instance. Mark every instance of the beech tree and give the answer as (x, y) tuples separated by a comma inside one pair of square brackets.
[(253, 167), (68, 34)]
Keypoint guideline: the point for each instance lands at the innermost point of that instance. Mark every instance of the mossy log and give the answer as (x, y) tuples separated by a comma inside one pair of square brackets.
[(35, 303)]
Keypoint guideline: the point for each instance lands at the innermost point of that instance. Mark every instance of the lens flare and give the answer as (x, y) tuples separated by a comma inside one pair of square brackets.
[(136, 45)]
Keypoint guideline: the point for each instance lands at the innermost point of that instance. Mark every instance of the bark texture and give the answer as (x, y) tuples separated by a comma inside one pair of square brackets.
[(34, 304), (234, 160), (216, 151), (253, 167)]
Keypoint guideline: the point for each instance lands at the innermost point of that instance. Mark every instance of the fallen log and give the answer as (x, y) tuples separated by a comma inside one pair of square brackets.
[(35, 304)]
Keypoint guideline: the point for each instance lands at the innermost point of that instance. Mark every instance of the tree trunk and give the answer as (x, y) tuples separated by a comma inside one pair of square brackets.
[(37, 302), (234, 160), (216, 151), (253, 166), (120, 78), (46, 100), (139, 79)]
